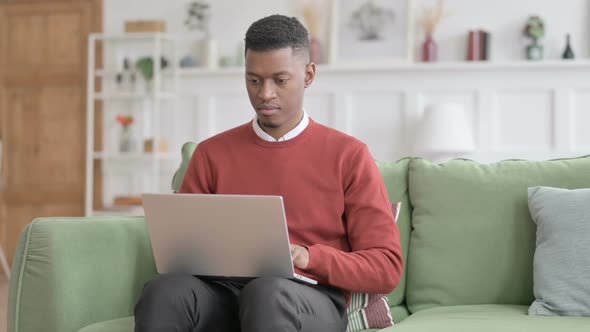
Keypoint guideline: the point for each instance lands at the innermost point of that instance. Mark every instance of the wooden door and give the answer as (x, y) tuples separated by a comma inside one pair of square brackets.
[(43, 51)]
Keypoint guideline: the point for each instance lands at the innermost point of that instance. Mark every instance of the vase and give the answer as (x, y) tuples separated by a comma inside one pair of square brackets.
[(534, 51), (209, 53), (126, 140), (429, 50), (568, 53)]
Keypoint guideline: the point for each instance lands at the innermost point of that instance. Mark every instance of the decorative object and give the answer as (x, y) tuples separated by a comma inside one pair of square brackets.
[(145, 26), (126, 143), (429, 21), (241, 55), (311, 12), (444, 131), (127, 200), (211, 57), (534, 29), (198, 19), (368, 311), (478, 45), (145, 66), (188, 61), (561, 264), (371, 311), (148, 145), (371, 31), (226, 61), (126, 78), (198, 16), (568, 53)]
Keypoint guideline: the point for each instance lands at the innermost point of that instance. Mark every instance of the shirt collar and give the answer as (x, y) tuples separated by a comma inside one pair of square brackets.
[(290, 135)]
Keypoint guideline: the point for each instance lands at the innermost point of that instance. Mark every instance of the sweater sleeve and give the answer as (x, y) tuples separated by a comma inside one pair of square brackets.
[(375, 262), (197, 179)]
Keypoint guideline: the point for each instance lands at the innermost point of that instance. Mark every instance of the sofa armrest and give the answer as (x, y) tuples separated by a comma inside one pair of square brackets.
[(71, 272)]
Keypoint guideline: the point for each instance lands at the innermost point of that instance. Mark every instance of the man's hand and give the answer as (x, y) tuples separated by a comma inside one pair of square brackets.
[(300, 256)]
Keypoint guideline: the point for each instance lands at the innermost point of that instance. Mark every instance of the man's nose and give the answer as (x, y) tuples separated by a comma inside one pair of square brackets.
[(266, 91)]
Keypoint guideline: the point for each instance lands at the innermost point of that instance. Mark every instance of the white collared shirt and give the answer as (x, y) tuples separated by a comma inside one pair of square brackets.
[(290, 135)]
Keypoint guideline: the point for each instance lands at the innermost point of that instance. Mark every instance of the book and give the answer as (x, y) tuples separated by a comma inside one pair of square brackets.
[(484, 40), (473, 48), (478, 45)]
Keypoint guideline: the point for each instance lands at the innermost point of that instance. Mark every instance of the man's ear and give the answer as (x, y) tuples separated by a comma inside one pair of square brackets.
[(309, 74)]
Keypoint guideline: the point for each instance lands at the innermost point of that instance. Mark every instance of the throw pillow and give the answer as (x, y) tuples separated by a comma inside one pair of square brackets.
[(370, 311), (561, 265)]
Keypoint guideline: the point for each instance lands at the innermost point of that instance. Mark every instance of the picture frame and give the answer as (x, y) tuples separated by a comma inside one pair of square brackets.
[(371, 31)]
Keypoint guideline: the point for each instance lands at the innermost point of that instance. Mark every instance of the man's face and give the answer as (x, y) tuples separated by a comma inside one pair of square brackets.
[(276, 81)]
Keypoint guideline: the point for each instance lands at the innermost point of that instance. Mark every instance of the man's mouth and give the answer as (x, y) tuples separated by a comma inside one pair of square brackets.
[(267, 110)]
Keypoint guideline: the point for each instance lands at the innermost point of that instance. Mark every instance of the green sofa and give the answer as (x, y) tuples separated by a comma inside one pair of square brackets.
[(467, 236)]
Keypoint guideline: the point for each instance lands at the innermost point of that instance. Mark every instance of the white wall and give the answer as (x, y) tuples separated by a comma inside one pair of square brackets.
[(504, 18), (540, 115)]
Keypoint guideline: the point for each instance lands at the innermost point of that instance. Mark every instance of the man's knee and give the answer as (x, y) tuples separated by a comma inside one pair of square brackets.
[(169, 287), (267, 295), (265, 289)]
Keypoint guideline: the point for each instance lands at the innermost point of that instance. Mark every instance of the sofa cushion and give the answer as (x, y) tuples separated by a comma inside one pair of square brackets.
[(126, 324), (482, 318), (473, 238), (561, 268)]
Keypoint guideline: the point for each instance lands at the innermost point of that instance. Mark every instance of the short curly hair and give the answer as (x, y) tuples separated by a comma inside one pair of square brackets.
[(276, 32)]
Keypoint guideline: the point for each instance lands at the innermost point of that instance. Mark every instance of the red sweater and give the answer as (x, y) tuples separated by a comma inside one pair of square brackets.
[(335, 199)]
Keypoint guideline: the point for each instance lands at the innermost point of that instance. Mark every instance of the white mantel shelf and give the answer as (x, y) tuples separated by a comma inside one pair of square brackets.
[(415, 67)]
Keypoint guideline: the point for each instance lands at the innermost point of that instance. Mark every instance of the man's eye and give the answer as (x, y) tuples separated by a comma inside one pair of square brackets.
[(253, 81), (281, 80)]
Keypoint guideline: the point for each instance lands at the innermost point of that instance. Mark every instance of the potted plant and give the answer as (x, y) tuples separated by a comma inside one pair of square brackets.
[(534, 29), (198, 19), (145, 66)]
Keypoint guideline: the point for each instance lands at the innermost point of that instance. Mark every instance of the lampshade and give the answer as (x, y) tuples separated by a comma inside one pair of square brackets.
[(444, 129)]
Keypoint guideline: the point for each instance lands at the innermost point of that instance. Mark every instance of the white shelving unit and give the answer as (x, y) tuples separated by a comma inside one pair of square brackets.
[(151, 103)]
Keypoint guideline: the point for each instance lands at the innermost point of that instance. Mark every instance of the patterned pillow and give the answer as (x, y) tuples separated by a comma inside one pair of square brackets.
[(370, 311)]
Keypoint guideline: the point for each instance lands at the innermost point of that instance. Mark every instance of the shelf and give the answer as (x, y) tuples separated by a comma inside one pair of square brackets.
[(460, 65), (411, 66), (133, 95), (155, 106), (131, 156), (112, 73)]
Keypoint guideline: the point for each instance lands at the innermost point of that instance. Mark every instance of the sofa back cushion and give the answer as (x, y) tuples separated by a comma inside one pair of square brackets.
[(187, 153), (473, 238)]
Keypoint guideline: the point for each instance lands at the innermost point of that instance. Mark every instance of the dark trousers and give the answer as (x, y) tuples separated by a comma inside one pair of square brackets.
[(184, 303)]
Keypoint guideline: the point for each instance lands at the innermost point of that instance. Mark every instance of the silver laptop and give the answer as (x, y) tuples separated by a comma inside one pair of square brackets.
[(235, 236)]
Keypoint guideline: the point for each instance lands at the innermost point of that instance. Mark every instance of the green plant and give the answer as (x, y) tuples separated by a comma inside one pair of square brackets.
[(534, 28), (145, 66)]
